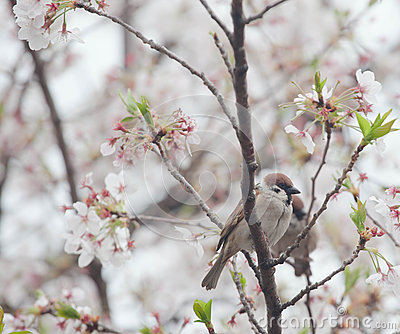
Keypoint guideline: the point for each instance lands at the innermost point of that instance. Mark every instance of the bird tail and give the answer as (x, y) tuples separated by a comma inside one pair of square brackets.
[(211, 279)]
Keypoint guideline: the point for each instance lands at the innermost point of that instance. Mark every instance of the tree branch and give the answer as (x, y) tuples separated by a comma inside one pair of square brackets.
[(252, 265), (217, 20), (224, 55), (384, 230), (262, 13), (163, 50), (249, 167), (188, 187), (55, 119), (323, 162), (294, 300), (244, 301), (323, 207)]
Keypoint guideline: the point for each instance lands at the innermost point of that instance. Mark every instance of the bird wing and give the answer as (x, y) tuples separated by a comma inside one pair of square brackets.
[(233, 220)]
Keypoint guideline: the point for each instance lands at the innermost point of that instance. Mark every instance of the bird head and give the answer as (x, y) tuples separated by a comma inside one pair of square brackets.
[(281, 183)]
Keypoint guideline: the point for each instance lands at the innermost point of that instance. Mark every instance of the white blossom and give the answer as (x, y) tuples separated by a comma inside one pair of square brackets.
[(369, 88), (115, 184), (106, 149), (304, 136)]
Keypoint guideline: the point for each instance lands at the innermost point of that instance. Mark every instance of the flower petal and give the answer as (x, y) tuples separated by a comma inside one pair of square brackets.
[(291, 129)]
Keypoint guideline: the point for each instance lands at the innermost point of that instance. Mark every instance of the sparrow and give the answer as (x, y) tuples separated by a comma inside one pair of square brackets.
[(273, 208), (301, 254)]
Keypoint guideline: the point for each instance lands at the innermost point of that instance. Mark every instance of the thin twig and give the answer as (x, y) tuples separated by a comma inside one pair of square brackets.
[(244, 301), (174, 221), (323, 162), (307, 302), (295, 299), (55, 119), (188, 187), (214, 16), (163, 50), (323, 207), (252, 266), (384, 230), (224, 55), (262, 13)]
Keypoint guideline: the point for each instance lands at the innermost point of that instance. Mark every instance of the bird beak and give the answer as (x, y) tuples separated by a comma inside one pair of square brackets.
[(293, 190)]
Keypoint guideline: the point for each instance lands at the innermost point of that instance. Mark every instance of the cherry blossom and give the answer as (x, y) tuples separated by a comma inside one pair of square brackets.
[(91, 221), (389, 212), (389, 281), (107, 149), (30, 16), (367, 86), (304, 136), (64, 35), (392, 191), (115, 184)]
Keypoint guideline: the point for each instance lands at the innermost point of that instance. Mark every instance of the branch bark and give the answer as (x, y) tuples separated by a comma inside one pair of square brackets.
[(249, 167), (323, 162), (55, 119), (244, 301), (262, 13), (217, 20)]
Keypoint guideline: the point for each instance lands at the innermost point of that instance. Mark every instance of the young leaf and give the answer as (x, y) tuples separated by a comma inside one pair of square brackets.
[(359, 216), (1, 319), (127, 119), (144, 109), (364, 124), (199, 309), (351, 277), (65, 310), (207, 309), (21, 332)]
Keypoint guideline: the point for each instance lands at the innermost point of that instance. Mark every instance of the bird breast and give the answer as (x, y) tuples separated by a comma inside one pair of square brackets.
[(274, 214)]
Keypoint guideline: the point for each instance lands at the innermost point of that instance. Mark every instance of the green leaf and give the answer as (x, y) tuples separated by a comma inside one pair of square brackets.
[(207, 309), (21, 332), (199, 309), (384, 129), (202, 321), (65, 310), (377, 128), (359, 215), (364, 124), (130, 104), (1, 319), (144, 109), (351, 277), (145, 330), (304, 331), (127, 119)]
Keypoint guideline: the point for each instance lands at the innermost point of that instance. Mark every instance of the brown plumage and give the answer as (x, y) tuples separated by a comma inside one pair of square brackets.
[(273, 209)]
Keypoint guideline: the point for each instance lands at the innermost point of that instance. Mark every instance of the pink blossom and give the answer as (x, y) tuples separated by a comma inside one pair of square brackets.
[(362, 177), (392, 191)]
